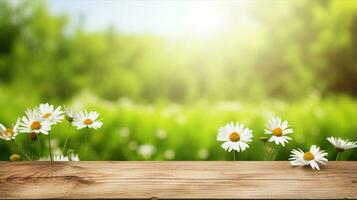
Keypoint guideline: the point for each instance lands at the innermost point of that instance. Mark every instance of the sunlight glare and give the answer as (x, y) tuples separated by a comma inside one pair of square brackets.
[(206, 19)]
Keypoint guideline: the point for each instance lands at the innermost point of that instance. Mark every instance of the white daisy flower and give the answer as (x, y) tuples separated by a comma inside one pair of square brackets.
[(312, 157), (278, 130), (87, 120), (55, 158), (60, 157), (235, 137), (49, 113), (73, 157), (341, 145), (34, 123), (9, 133)]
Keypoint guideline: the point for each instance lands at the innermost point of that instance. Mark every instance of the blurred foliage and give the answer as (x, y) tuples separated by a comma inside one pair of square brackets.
[(302, 53), (301, 47)]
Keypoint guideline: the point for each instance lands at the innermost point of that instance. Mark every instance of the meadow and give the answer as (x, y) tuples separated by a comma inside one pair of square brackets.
[(133, 131)]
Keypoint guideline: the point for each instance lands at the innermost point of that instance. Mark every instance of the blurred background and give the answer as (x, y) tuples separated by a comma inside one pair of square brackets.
[(165, 75)]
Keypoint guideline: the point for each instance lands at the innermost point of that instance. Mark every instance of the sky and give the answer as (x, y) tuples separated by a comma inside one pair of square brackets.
[(168, 18)]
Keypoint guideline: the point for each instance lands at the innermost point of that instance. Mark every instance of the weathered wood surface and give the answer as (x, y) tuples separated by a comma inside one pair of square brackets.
[(208, 180)]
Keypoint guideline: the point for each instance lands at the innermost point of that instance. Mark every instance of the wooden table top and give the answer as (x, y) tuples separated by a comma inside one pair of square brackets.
[(177, 180)]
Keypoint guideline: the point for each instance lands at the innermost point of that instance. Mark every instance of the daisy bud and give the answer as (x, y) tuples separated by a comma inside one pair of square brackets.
[(33, 136), (68, 118), (263, 139), (69, 115), (15, 157)]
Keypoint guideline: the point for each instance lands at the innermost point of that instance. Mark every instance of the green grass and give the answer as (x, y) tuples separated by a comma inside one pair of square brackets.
[(190, 130)]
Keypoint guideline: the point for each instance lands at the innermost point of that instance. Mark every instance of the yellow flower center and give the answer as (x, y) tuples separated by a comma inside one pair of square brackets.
[(277, 132), (263, 139), (9, 132), (87, 122), (308, 156), (35, 125), (234, 137), (47, 115)]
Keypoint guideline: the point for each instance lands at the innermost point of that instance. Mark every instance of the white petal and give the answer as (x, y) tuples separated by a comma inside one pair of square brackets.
[(96, 125), (226, 146)]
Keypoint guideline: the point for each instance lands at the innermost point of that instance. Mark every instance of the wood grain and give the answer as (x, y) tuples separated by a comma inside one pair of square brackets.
[(176, 180)]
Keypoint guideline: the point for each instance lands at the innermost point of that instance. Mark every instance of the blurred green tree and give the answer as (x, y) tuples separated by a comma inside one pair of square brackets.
[(302, 46)]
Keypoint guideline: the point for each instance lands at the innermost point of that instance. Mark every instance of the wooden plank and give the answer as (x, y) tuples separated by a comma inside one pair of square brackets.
[(203, 180)]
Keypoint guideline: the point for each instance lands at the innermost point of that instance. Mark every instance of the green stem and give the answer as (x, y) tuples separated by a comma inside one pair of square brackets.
[(270, 153), (49, 145), (21, 150), (84, 146), (338, 156), (265, 149), (234, 155), (41, 147), (275, 153), (65, 143)]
